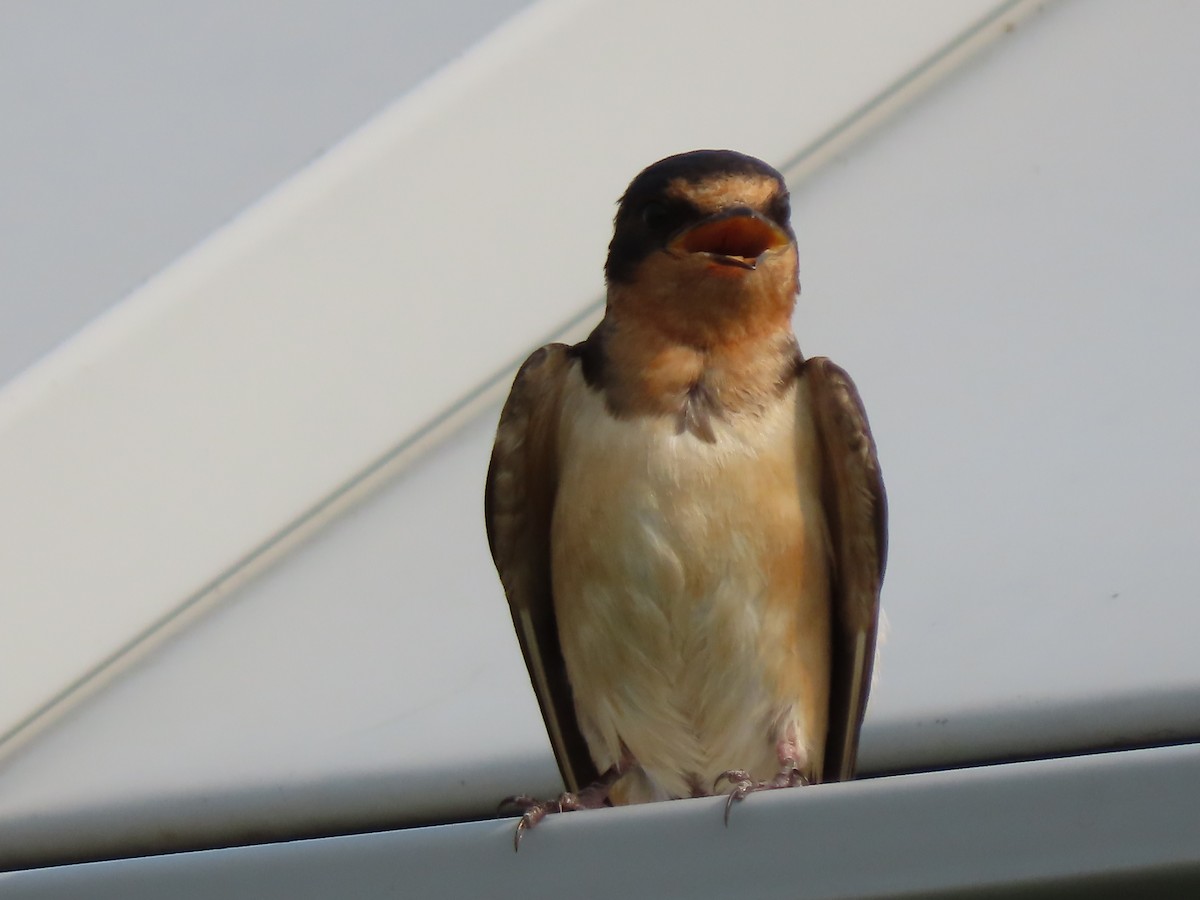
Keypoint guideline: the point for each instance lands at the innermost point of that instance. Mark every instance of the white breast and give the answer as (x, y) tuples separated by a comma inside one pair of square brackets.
[(691, 589)]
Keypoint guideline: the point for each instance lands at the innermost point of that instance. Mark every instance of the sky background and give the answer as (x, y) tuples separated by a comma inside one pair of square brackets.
[(133, 128)]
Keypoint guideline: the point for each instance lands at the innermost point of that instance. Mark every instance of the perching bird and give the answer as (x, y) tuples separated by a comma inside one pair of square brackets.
[(687, 516)]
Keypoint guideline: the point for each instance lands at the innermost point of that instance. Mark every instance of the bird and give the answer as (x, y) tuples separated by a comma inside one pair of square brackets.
[(687, 516)]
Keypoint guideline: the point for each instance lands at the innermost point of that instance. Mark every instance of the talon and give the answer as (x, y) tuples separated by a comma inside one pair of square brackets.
[(532, 816), (733, 776), (592, 797), (741, 789), (729, 801), (743, 785), (526, 823)]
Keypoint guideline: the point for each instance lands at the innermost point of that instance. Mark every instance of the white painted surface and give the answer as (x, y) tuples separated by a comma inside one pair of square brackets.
[(1011, 294), (1102, 827), (370, 680)]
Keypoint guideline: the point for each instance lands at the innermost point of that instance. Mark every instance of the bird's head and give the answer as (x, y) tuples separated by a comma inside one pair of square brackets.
[(702, 244)]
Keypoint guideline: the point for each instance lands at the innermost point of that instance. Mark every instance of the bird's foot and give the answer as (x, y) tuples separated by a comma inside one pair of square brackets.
[(532, 810), (743, 785)]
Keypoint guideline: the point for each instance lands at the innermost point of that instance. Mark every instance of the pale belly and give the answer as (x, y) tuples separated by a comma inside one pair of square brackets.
[(691, 589)]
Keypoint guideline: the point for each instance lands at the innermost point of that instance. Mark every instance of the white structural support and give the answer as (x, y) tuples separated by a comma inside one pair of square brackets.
[(1041, 829)]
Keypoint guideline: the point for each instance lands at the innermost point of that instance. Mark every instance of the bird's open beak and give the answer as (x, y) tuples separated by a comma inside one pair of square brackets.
[(735, 237)]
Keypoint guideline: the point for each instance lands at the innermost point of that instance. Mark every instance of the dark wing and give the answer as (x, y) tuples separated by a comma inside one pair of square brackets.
[(522, 483), (856, 511)]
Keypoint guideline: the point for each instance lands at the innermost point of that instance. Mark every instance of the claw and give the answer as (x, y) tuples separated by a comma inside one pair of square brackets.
[(535, 812), (744, 785), (591, 797), (737, 794), (733, 776), (519, 832)]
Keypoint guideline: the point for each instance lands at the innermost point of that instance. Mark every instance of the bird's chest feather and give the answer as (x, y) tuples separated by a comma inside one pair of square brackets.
[(689, 578)]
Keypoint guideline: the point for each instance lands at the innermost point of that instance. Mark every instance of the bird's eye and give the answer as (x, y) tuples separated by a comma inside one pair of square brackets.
[(654, 215), (781, 209)]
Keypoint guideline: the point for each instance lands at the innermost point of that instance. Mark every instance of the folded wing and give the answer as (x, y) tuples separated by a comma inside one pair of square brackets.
[(519, 498), (856, 511)]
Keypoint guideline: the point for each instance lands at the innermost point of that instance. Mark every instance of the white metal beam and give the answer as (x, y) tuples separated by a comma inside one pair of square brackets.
[(1112, 825)]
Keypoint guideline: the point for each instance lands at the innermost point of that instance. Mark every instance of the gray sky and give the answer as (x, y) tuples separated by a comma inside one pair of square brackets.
[(134, 128)]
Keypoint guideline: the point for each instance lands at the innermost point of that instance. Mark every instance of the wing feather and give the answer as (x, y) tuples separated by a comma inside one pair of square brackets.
[(519, 498), (856, 511)]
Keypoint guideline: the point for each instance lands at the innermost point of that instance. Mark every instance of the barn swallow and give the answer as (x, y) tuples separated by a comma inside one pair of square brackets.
[(687, 516)]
